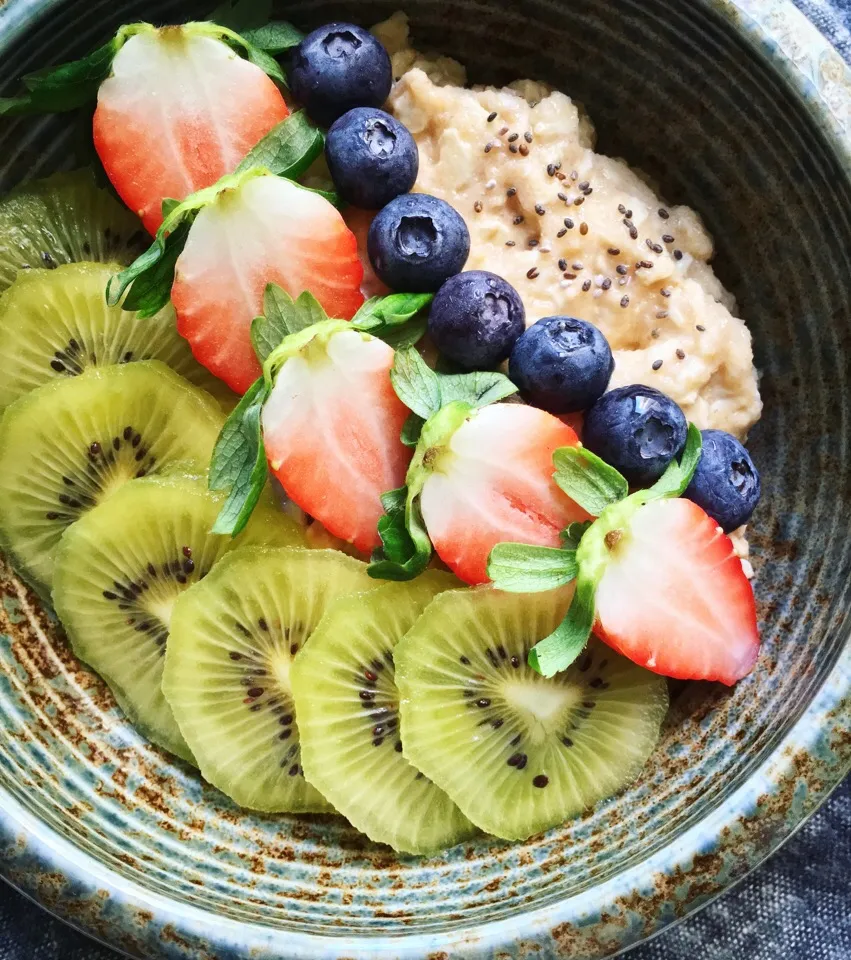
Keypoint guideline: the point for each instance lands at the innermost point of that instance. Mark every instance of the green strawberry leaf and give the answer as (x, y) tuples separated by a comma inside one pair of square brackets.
[(480, 388), (588, 480), (415, 383), (573, 533), (406, 548), (275, 37), (282, 317), (425, 392), (677, 477), (151, 290), (238, 464), (523, 568), (557, 651), (411, 430), (69, 85), (168, 206), (382, 314), (242, 15), (288, 149)]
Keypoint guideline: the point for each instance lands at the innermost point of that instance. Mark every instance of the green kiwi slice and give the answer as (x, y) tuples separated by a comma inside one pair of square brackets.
[(347, 706), (119, 571), (71, 443), (519, 753), (227, 676), (56, 324), (65, 218)]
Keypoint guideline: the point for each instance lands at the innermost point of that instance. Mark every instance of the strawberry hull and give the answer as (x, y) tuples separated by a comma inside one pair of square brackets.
[(179, 111)]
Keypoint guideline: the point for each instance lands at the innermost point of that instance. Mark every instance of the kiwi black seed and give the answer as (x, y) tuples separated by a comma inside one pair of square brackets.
[(56, 324), (119, 572), (234, 639), (517, 752), (65, 218), (348, 709), (70, 444)]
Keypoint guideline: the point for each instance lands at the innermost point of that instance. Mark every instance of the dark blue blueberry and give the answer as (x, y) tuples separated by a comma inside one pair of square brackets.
[(417, 242), (338, 67), (726, 483), (372, 157), (636, 429), (475, 319), (561, 364)]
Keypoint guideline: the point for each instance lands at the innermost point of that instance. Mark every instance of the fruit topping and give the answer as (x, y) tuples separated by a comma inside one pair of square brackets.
[(561, 364), (417, 242), (475, 319), (331, 428), (234, 639), (656, 577), (338, 67), (70, 444), (121, 568), (179, 110), (673, 596), (56, 323), (65, 218), (265, 229), (347, 706), (372, 157), (636, 429), (519, 753), (726, 483)]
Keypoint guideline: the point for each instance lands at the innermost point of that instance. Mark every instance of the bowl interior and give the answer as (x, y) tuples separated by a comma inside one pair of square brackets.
[(679, 92)]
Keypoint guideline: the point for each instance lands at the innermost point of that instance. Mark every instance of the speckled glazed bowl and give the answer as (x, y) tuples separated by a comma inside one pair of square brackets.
[(739, 109)]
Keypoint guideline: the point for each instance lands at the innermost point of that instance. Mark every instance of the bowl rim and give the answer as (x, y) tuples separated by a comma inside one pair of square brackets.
[(746, 828)]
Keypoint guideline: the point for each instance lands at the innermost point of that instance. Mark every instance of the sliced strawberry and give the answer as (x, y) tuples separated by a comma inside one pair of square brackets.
[(494, 483), (179, 111), (331, 428), (673, 596), (267, 230)]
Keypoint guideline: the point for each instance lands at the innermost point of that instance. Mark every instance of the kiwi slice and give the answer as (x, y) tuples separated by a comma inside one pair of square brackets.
[(65, 218), (73, 442), (227, 676), (348, 715), (56, 323), (119, 571), (517, 752)]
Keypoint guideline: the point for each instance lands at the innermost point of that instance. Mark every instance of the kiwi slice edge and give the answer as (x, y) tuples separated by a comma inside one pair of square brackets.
[(519, 753), (347, 707)]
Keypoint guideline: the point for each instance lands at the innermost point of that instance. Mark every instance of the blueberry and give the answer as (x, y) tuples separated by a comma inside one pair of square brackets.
[(636, 429), (338, 67), (475, 319), (372, 157), (417, 242), (561, 364), (726, 483)]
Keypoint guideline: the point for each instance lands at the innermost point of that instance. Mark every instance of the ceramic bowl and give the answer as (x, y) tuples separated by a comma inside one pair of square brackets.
[(739, 109)]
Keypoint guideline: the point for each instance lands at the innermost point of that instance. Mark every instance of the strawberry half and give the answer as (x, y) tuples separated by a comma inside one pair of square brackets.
[(492, 481), (331, 429), (179, 111), (267, 230), (673, 596)]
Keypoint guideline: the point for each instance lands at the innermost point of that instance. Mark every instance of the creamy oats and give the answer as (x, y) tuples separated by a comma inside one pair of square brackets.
[(576, 232)]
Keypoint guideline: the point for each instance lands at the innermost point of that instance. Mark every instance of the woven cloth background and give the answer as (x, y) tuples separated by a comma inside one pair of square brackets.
[(797, 906)]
